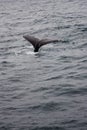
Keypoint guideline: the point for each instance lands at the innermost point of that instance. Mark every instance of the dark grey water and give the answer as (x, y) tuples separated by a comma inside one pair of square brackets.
[(48, 90)]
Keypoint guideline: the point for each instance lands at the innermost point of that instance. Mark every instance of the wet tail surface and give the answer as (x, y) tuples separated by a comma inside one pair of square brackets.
[(38, 43)]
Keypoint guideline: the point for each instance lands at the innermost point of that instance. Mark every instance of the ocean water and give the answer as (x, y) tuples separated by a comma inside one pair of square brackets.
[(45, 90)]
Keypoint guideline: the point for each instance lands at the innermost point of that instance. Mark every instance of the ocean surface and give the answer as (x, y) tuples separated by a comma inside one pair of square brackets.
[(45, 90)]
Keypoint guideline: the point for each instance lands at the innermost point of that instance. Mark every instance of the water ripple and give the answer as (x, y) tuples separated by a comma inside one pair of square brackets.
[(45, 90)]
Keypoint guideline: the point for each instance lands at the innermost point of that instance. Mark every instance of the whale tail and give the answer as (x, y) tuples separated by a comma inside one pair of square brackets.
[(37, 43)]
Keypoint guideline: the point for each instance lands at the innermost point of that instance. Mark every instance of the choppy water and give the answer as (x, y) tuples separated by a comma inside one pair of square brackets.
[(47, 90)]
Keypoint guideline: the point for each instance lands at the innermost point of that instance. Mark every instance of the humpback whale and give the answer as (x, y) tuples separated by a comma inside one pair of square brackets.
[(37, 43)]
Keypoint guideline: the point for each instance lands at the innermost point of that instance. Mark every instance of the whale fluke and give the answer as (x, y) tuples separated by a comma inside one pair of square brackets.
[(37, 43)]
